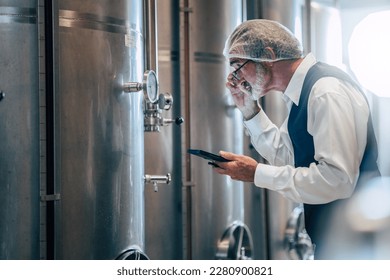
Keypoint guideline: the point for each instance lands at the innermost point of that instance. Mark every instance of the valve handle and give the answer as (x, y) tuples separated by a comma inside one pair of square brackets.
[(179, 120)]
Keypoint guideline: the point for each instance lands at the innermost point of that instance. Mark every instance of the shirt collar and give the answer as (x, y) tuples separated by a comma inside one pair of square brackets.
[(294, 87)]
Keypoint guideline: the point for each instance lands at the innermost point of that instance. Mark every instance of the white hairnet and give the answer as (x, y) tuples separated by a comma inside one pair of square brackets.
[(251, 38)]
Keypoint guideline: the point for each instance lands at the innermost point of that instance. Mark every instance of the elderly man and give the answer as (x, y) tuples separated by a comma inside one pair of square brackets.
[(326, 146)]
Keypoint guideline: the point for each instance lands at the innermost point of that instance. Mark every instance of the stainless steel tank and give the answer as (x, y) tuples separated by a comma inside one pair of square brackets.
[(194, 74), (163, 216), (326, 38), (213, 204), (278, 209), (99, 131), (19, 131)]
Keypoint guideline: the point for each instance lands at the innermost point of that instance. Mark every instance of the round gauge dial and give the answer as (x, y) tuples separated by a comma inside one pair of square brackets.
[(150, 86)]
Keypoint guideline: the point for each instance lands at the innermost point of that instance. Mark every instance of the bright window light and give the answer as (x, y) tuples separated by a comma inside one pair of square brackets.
[(369, 54)]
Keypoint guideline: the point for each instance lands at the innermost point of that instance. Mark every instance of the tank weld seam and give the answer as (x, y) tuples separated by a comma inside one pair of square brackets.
[(17, 14), (209, 57), (69, 18)]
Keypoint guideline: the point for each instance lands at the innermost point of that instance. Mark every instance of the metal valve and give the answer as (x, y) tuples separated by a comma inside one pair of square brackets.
[(153, 113), (158, 179), (165, 101), (297, 242), (154, 102), (132, 87), (177, 121), (236, 243)]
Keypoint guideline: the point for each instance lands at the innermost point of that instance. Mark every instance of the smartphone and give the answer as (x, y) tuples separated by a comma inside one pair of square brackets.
[(207, 155)]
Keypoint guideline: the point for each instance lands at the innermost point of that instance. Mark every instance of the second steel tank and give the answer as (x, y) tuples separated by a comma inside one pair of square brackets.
[(99, 131), (214, 203)]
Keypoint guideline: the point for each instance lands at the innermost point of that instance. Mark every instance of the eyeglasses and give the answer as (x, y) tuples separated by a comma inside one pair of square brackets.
[(235, 72)]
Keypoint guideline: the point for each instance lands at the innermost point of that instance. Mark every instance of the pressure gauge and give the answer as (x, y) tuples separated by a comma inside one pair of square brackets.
[(150, 86)]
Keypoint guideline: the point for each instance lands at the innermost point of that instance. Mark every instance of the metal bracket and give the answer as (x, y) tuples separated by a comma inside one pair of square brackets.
[(51, 197), (188, 184), (186, 10)]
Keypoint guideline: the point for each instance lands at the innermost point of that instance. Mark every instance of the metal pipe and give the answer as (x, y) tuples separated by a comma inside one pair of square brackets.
[(187, 200), (306, 26), (150, 34)]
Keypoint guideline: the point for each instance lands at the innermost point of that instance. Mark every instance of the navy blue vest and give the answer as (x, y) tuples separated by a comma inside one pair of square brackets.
[(317, 217)]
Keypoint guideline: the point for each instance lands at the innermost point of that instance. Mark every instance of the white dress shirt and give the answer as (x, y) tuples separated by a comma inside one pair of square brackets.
[(337, 120)]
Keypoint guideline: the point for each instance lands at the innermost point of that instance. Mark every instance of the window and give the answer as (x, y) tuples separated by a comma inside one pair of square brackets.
[(369, 55)]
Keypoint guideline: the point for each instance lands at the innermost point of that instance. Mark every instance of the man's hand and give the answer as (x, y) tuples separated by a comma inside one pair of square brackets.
[(241, 168)]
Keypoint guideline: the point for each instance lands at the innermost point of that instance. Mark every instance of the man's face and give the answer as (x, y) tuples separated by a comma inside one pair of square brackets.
[(250, 77)]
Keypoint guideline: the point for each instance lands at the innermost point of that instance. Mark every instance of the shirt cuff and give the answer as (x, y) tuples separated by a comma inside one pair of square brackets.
[(264, 176), (276, 178)]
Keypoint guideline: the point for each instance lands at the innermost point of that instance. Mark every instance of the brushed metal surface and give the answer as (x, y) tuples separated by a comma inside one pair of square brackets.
[(19, 131), (99, 130), (217, 201)]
